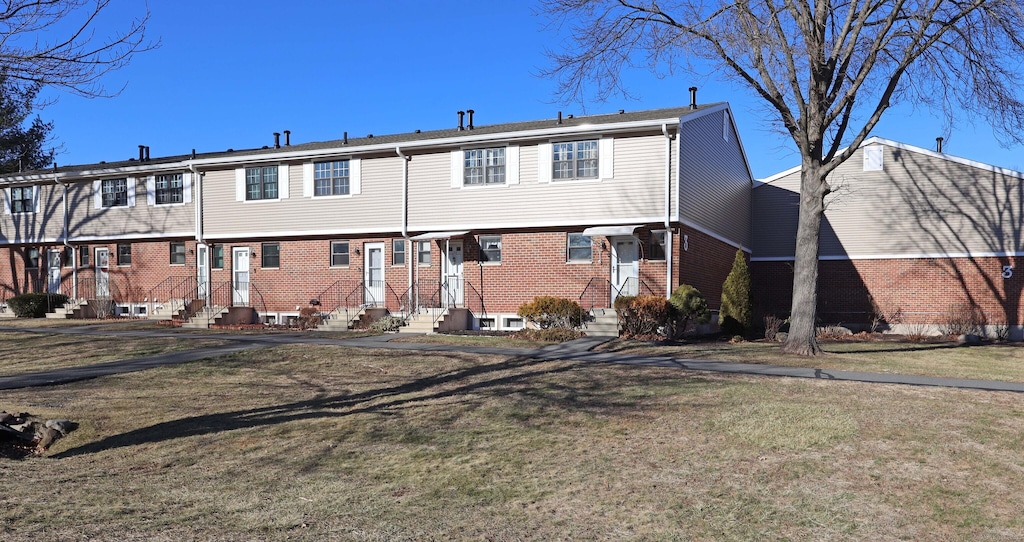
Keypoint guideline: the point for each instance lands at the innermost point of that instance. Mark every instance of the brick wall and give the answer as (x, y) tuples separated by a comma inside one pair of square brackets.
[(704, 263), (923, 289)]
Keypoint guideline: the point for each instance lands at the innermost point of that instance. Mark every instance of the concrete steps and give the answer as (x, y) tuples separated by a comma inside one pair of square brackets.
[(340, 320), (203, 318), (602, 323)]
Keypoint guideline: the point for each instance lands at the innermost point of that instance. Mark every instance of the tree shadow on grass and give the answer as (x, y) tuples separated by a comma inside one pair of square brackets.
[(494, 379)]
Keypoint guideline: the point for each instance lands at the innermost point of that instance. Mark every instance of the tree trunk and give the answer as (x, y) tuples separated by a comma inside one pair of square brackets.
[(802, 337)]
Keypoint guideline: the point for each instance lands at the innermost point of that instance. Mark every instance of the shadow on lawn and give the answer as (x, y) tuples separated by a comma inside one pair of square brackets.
[(456, 383)]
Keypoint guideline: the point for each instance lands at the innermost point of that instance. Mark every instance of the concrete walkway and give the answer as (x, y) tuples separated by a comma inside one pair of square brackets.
[(580, 350)]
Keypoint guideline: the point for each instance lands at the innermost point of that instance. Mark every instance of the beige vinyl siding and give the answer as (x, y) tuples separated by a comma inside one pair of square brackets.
[(47, 224), (714, 191), (774, 218), (636, 191), (378, 207), (920, 205), (122, 222)]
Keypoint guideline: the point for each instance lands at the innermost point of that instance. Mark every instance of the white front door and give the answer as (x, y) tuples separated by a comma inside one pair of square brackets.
[(240, 276), (53, 261), (102, 273), (453, 280), (202, 276), (625, 267), (373, 274)]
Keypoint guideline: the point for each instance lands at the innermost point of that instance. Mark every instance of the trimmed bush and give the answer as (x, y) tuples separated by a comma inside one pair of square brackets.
[(737, 305), (387, 323), (689, 307), (547, 312), (644, 316), (35, 305)]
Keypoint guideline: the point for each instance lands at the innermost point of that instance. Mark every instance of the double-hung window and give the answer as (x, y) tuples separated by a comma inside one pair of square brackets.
[(579, 249), (170, 189), (124, 254), (271, 255), (261, 183), (115, 192), (575, 160), (490, 248), (177, 253), (218, 256), (339, 254), (423, 253), (331, 178), (398, 252), (32, 258), (23, 199), (484, 167)]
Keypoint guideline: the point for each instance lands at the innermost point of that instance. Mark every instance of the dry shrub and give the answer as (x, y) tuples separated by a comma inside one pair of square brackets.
[(962, 319), (772, 325), (1001, 330), (552, 312), (915, 332), (644, 316)]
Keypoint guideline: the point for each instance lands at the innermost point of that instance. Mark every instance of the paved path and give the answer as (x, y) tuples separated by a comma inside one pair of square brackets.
[(580, 350)]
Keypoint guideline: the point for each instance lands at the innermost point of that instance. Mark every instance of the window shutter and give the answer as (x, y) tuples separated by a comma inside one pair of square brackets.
[(544, 163), (7, 201), (307, 180), (725, 125), (355, 176), (512, 164), (457, 157), (151, 190), (283, 180), (240, 184), (186, 187), (97, 194), (35, 197), (605, 157), (131, 182)]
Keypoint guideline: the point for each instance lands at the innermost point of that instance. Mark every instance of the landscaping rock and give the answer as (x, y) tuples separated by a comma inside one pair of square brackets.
[(781, 336), (23, 434), (968, 339)]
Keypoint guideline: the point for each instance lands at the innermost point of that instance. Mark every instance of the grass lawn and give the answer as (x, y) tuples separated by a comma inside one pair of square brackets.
[(328, 443), (1003, 361)]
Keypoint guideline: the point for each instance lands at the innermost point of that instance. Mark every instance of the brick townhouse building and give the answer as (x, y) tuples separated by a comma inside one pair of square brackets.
[(464, 224)]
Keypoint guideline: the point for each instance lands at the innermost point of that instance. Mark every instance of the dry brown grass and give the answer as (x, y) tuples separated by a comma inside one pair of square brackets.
[(329, 443), (942, 359)]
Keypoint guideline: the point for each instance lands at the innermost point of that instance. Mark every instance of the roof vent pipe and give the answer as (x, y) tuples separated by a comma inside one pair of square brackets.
[(693, 97), (277, 140), (559, 117), (470, 125), (462, 115), (147, 153), (938, 144), (142, 150), (345, 140), (287, 138), (193, 154)]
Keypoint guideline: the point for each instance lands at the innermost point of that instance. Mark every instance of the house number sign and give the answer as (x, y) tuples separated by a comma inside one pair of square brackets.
[(1007, 271)]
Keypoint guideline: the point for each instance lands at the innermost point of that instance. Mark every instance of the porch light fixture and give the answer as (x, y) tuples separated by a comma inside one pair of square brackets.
[(355, 251)]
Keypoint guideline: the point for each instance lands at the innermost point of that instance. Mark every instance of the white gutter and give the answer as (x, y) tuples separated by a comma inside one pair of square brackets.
[(668, 211), (409, 249), (197, 202)]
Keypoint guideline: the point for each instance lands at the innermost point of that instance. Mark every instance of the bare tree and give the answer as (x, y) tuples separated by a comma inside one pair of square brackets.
[(826, 71), (55, 43)]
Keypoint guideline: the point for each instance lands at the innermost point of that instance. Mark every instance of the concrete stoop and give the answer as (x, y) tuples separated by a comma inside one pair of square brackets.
[(602, 323)]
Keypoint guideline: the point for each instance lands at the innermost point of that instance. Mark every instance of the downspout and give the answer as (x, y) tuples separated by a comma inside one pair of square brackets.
[(67, 242), (668, 212), (410, 251), (197, 202)]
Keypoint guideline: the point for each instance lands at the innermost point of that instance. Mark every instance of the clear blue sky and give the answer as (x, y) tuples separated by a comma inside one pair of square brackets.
[(230, 73)]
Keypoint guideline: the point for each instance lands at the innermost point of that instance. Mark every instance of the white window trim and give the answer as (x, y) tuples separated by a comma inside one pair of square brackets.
[(501, 249), (97, 189), (330, 255), (605, 160), (458, 169), (8, 198), (282, 183), (355, 179), (570, 261), (186, 190)]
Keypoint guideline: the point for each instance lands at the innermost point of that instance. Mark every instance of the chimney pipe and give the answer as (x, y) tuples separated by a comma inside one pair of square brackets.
[(559, 117), (938, 144), (470, 125), (193, 154), (142, 150), (345, 140), (693, 97), (147, 153), (277, 140), (462, 115), (287, 138)]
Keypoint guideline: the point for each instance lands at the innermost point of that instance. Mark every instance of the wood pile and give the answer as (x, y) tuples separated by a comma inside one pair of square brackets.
[(24, 434)]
